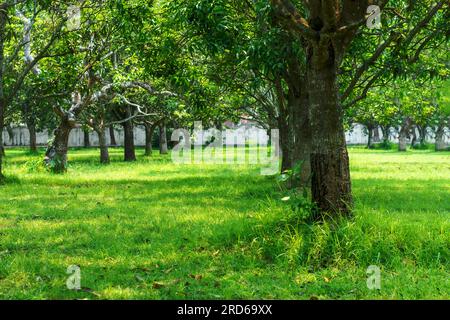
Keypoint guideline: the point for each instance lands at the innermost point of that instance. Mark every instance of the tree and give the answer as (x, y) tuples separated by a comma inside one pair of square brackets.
[(18, 20)]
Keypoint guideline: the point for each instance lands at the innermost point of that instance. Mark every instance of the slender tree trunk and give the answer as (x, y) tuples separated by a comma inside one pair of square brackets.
[(285, 143), (130, 153), (56, 155), (163, 139), (331, 184), (86, 140), (2, 148), (440, 143), (403, 135), (422, 135), (376, 134), (11, 135), (302, 136), (3, 105), (149, 130), (370, 138), (104, 153), (385, 131), (32, 130), (112, 136)]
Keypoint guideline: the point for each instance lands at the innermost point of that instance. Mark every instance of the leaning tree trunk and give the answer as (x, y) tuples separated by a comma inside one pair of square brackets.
[(149, 130), (86, 140), (56, 155), (129, 152), (331, 184), (163, 139), (104, 153), (440, 143), (112, 136)]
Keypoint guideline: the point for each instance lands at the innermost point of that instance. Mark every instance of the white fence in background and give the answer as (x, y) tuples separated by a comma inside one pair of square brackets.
[(21, 137)]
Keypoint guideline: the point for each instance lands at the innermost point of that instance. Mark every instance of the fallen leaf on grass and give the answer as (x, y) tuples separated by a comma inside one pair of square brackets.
[(158, 285), (196, 276)]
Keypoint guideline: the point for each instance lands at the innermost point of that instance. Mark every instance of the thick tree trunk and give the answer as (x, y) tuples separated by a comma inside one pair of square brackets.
[(86, 140), (129, 153), (33, 140), (163, 139), (149, 130), (331, 184), (112, 136), (104, 153), (56, 155), (440, 143)]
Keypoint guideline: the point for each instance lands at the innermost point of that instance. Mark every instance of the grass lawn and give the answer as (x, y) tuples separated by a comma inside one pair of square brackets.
[(156, 230)]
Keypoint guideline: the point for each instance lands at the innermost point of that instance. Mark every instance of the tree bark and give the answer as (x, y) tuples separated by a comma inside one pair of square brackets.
[(56, 155), (331, 184), (86, 140), (149, 130), (440, 143), (385, 131), (104, 153), (2, 149), (370, 136), (112, 136), (129, 152), (376, 134), (163, 139), (32, 130), (422, 135), (404, 134), (10, 131)]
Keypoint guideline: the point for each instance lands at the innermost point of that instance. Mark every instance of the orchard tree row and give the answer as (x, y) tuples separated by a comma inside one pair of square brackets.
[(308, 68)]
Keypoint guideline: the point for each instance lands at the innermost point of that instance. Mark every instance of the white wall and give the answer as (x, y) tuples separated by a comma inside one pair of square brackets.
[(22, 137)]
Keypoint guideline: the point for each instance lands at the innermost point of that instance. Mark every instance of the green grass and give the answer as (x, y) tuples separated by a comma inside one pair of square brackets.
[(155, 230)]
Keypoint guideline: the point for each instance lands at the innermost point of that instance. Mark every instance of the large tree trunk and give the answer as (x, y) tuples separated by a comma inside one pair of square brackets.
[(104, 153), (331, 184), (112, 136), (33, 140), (86, 140), (440, 143), (56, 155), (129, 153), (163, 139), (149, 130)]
